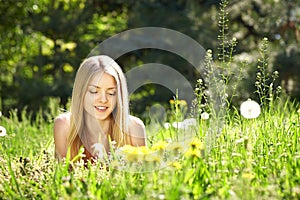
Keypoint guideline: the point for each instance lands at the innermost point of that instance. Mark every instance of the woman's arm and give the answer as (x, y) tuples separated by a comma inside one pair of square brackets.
[(137, 132), (61, 129)]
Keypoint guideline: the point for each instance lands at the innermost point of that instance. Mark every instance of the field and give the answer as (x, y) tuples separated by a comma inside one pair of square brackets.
[(249, 159)]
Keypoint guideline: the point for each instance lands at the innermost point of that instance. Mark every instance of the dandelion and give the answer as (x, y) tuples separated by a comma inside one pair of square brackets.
[(2, 131), (99, 150), (176, 147), (171, 101), (153, 158), (196, 144), (250, 109), (248, 176), (178, 125), (193, 153), (175, 165), (160, 146), (167, 125), (135, 153), (204, 116)]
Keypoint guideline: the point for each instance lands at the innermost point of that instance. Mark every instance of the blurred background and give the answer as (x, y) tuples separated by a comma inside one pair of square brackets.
[(44, 41)]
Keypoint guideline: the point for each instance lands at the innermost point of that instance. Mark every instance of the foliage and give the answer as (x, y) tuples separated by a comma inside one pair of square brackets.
[(43, 42)]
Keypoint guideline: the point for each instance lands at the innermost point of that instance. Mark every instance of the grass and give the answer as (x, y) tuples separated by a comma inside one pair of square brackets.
[(251, 159)]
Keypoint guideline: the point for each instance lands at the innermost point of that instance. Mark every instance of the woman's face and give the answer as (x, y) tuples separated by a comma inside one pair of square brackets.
[(101, 96)]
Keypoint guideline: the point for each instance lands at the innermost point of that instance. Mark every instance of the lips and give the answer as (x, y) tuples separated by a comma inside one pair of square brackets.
[(101, 108)]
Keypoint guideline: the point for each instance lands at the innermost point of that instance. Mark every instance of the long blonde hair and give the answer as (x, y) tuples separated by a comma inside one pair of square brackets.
[(120, 119)]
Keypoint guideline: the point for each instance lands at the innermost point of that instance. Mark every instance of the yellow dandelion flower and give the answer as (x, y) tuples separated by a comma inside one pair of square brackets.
[(193, 153), (249, 176), (152, 158), (175, 165), (176, 147), (160, 146), (128, 149), (171, 101), (131, 157), (196, 144), (143, 150)]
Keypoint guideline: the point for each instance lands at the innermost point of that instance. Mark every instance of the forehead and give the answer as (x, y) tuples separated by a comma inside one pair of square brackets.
[(103, 80)]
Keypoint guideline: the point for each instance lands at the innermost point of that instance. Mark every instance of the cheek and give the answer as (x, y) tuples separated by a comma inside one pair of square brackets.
[(114, 102), (88, 99)]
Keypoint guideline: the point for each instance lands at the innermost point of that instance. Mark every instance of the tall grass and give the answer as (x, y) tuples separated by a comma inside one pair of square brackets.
[(251, 159)]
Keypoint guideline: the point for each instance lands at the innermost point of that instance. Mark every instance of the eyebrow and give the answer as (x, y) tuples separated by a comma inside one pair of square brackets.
[(100, 87)]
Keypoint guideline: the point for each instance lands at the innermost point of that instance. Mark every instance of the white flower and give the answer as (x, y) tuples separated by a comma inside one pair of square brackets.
[(250, 109), (167, 125), (2, 131), (99, 150), (0, 113), (178, 125), (204, 115)]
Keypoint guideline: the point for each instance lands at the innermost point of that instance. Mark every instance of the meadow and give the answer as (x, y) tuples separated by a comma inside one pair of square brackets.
[(255, 158)]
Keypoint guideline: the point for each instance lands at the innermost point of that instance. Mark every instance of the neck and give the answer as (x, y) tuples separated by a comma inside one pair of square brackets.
[(96, 129)]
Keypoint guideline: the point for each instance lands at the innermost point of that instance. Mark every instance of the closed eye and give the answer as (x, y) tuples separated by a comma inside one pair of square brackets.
[(93, 91), (112, 93)]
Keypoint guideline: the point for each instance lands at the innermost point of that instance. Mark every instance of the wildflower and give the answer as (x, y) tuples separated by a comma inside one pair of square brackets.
[(161, 145), (171, 101), (99, 150), (2, 131), (175, 164), (0, 113), (193, 153), (178, 125), (204, 116), (196, 144), (167, 125), (135, 153), (248, 175), (250, 109), (153, 158), (176, 147)]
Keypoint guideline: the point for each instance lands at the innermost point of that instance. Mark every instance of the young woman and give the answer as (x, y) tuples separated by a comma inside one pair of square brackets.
[(99, 112)]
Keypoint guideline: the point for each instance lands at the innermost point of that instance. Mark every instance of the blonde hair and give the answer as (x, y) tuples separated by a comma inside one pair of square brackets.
[(120, 119)]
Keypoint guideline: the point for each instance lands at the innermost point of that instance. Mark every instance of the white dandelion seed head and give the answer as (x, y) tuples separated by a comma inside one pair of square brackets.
[(99, 150), (177, 125), (250, 109), (2, 131), (167, 125), (204, 116)]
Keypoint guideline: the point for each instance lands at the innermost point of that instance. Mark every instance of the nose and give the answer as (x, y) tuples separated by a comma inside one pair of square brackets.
[(102, 97)]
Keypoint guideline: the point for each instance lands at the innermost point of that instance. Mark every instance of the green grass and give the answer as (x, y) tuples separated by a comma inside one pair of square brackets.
[(250, 159)]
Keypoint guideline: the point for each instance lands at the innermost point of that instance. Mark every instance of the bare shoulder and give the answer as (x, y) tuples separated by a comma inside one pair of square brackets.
[(62, 122), (60, 131), (137, 131)]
